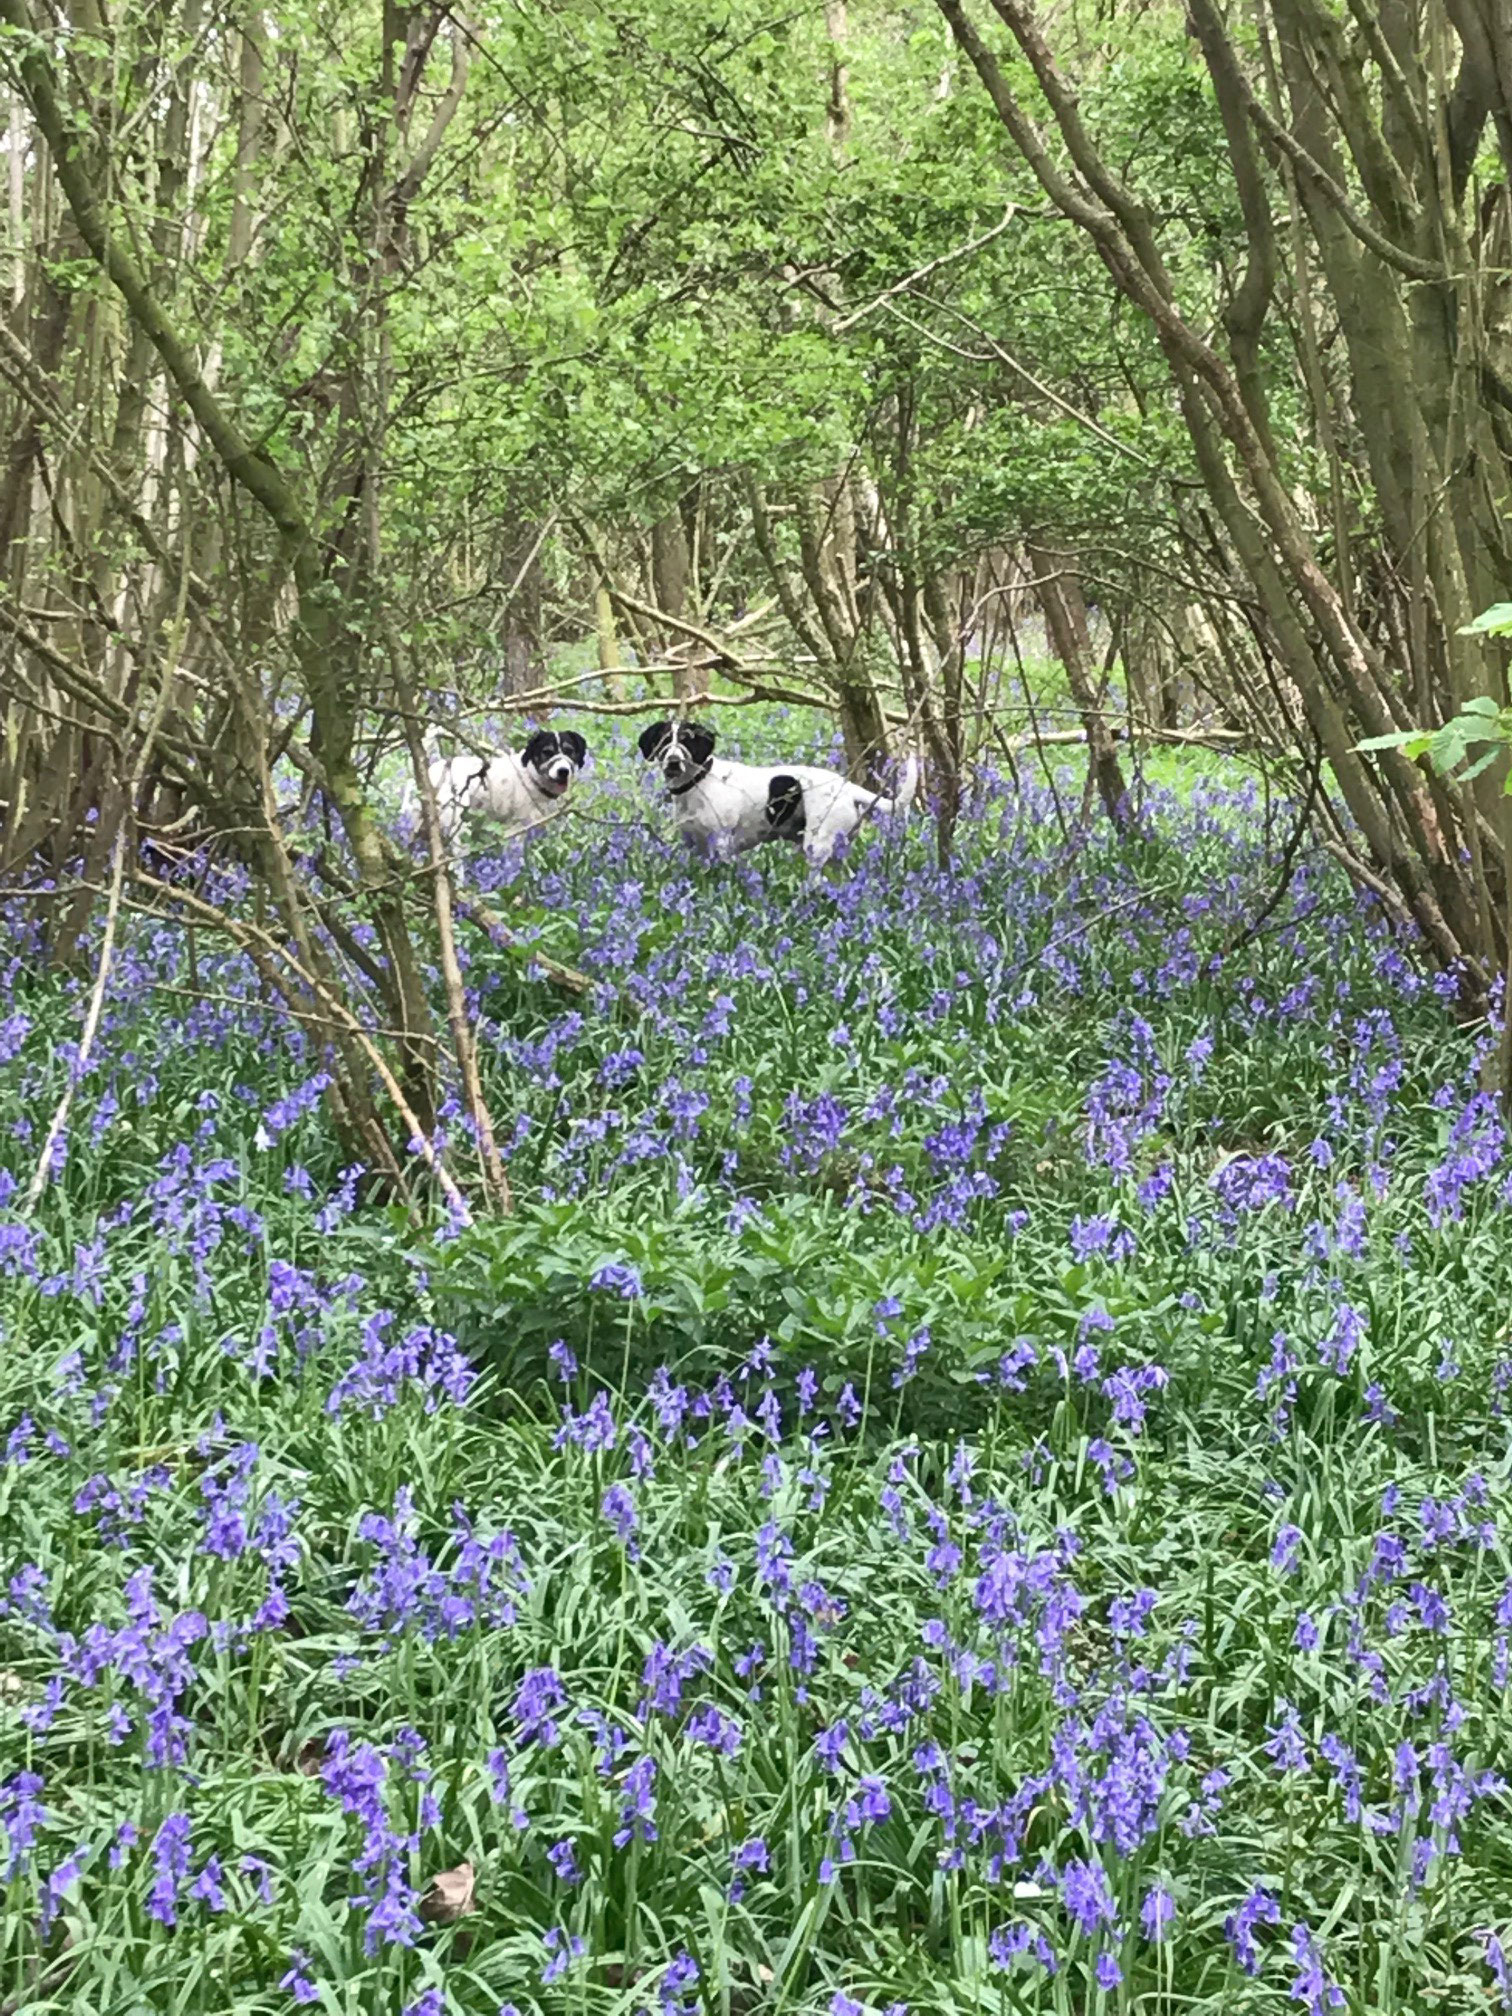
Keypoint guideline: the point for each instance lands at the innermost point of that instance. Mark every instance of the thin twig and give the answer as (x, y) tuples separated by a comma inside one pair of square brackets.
[(923, 272), (249, 934), (1289, 855), (91, 1024), (464, 1037)]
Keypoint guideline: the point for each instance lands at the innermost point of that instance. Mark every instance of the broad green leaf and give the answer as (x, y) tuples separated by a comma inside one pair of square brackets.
[(1481, 763), (1403, 740), (1493, 622)]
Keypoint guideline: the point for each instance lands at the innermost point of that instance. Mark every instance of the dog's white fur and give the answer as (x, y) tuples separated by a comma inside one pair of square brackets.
[(516, 789), (728, 808)]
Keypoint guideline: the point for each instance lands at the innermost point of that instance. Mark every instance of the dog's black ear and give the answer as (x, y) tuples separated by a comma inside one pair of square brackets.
[(654, 739), (698, 741), (574, 746), (540, 746)]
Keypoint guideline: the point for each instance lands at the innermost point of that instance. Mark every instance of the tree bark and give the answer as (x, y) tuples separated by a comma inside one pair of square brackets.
[(1065, 612)]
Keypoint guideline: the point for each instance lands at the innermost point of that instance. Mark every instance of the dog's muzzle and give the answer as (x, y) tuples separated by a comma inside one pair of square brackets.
[(556, 779)]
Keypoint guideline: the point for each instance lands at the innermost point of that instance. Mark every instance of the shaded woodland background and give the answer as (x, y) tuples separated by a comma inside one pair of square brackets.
[(363, 367)]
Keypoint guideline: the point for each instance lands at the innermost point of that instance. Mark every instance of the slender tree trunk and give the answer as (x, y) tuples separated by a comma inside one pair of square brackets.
[(1065, 612), (669, 582)]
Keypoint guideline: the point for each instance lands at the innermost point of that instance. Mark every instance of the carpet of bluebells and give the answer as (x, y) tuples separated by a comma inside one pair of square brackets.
[(975, 1477)]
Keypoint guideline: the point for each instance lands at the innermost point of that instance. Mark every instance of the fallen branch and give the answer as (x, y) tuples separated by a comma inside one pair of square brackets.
[(498, 933)]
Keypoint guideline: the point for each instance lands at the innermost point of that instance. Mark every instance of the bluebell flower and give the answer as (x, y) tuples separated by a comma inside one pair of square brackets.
[(539, 1699), (562, 1948), (750, 1857), (619, 1510), (1286, 1748), (298, 1983), (829, 1745), (1312, 1986), (618, 1277), (170, 1857), (1258, 1908), (713, 1729), (1157, 1913), (638, 1804), (1501, 1968), (1086, 1894), (677, 1991)]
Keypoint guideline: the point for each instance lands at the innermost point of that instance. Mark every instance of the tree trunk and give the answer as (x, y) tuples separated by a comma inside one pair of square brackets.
[(669, 584), (1065, 611), (1403, 289), (524, 667)]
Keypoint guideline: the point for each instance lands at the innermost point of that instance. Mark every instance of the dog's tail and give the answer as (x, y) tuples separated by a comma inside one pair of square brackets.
[(903, 797)]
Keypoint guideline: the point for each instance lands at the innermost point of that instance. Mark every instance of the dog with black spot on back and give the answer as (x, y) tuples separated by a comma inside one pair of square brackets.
[(516, 790), (724, 808)]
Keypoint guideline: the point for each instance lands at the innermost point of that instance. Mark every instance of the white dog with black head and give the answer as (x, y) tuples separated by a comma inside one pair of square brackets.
[(516, 790), (728, 808)]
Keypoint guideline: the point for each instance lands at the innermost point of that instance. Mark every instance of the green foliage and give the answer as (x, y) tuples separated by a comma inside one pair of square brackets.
[(1050, 1046), (1481, 723)]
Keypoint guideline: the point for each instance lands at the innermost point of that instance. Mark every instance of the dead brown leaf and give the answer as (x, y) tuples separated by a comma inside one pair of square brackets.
[(449, 1896), (310, 1756)]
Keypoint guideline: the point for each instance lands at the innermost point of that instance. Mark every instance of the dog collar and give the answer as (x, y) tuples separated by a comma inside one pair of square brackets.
[(682, 790)]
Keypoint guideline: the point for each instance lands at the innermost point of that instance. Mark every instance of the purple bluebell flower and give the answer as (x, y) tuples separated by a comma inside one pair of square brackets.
[(1157, 1912), (619, 1511), (637, 1804), (298, 1982), (714, 1730), (676, 1992), (1286, 1747), (1286, 1554), (22, 1815), (1312, 1986), (54, 1887), (170, 1863), (1248, 1183), (750, 1857), (562, 1948), (1500, 1966), (1258, 1908), (618, 1277), (1087, 1896), (255, 1867), (539, 1699), (1343, 1340)]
